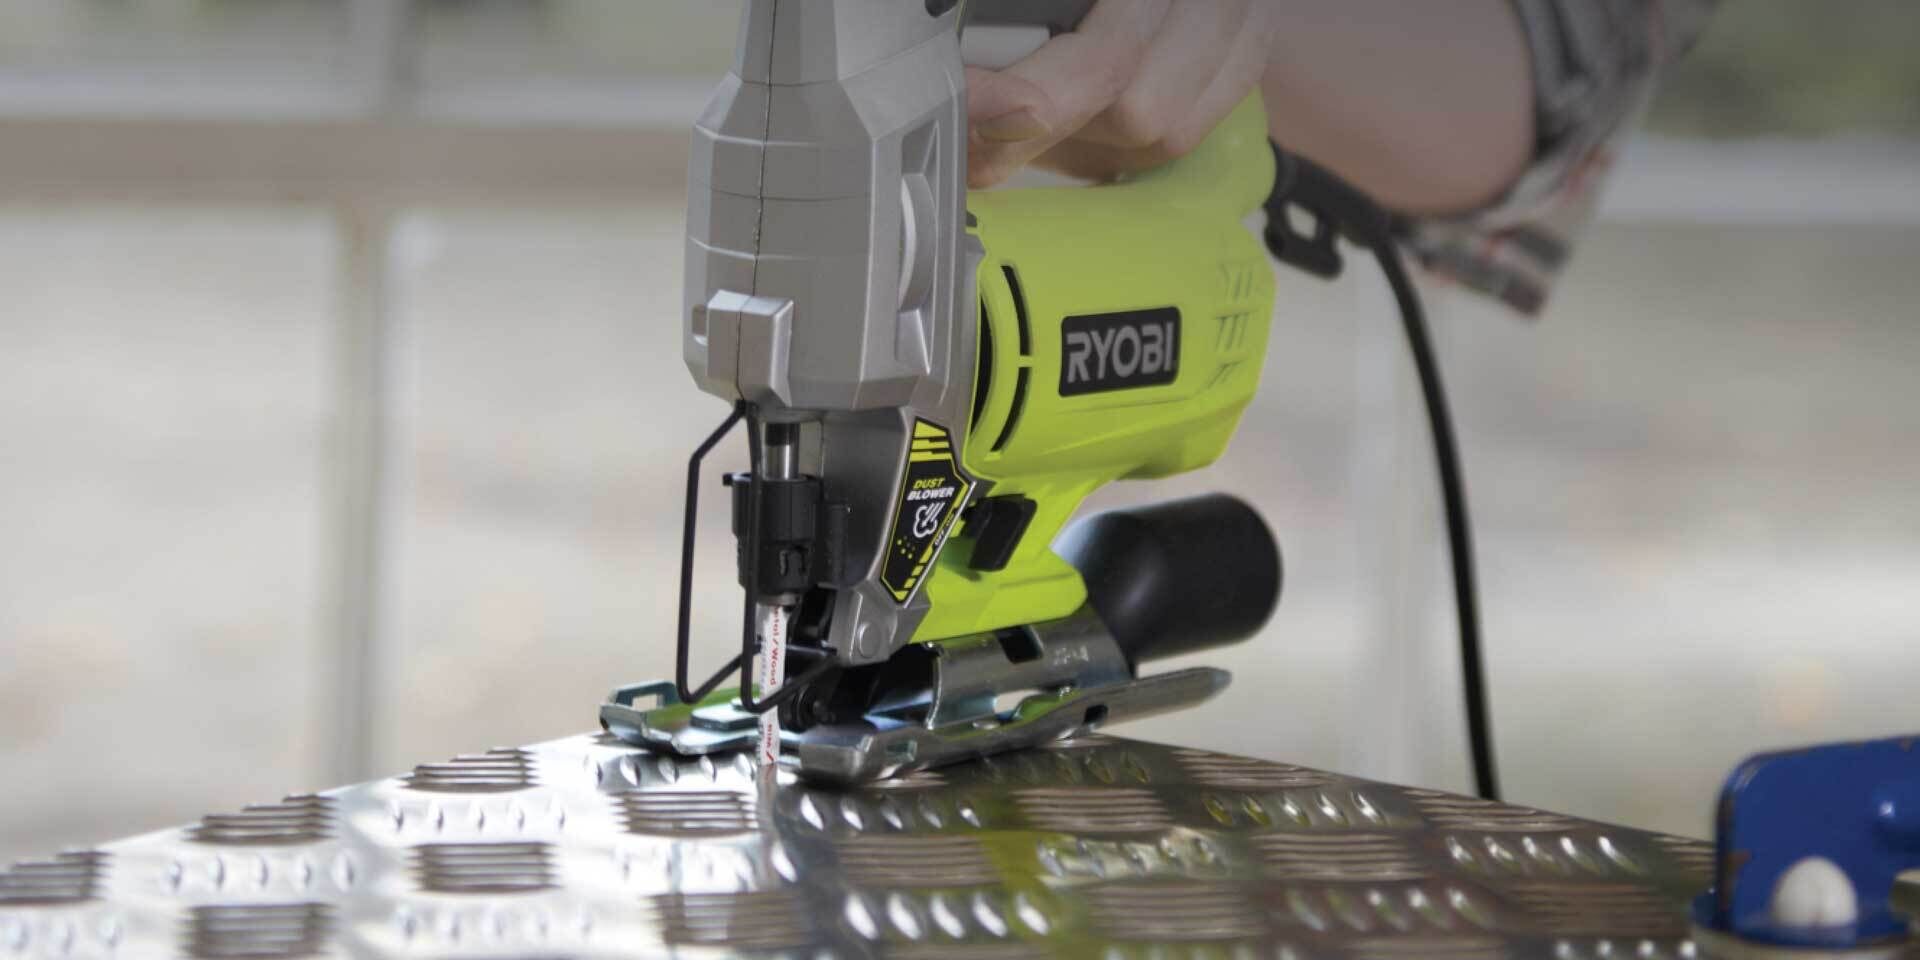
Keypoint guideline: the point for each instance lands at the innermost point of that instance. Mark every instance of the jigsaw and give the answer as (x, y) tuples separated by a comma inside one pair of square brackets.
[(931, 381)]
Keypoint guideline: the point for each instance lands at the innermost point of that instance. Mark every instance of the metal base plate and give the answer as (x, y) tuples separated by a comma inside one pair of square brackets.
[(650, 715), (1094, 847)]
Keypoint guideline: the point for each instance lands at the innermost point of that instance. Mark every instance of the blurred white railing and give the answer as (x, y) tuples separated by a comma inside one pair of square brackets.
[(1853, 182)]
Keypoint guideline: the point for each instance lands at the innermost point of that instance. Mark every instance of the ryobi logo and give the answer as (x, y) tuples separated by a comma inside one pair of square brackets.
[(1115, 351)]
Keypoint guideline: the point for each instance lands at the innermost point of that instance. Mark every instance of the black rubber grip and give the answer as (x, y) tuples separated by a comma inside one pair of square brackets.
[(1177, 577)]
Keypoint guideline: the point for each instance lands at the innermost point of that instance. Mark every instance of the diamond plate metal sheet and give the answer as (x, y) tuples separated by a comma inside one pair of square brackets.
[(1099, 848)]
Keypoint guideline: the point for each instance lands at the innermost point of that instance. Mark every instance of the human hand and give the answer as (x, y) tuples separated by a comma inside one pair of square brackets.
[(1139, 83)]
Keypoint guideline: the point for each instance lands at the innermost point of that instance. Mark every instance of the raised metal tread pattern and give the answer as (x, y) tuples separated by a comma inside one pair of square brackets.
[(257, 930), (587, 849), (1568, 854), (1692, 857), (1471, 813), (71, 877), (687, 813), (1430, 948), (1094, 810), (1246, 773), (497, 771), (1339, 856), (1426, 910), (968, 951), (768, 920), (1178, 911), (495, 868), (1610, 909), (305, 818), (937, 861)]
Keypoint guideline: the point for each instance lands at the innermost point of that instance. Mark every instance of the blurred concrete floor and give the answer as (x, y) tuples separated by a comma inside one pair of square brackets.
[(1694, 486)]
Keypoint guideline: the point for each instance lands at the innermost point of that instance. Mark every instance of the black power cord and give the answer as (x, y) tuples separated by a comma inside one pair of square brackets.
[(1336, 209)]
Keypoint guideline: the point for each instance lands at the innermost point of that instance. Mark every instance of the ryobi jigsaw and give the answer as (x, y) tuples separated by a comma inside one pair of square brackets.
[(931, 381)]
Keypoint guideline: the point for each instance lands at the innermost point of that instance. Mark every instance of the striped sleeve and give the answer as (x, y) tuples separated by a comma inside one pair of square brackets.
[(1595, 63)]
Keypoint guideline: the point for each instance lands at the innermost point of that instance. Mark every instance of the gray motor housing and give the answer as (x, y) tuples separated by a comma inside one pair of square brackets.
[(829, 276)]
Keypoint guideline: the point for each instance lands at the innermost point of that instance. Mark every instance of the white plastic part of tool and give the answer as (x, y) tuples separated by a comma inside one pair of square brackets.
[(997, 46), (1814, 893)]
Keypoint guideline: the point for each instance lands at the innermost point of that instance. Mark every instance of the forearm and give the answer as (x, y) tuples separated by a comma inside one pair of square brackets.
[(1427, 106)]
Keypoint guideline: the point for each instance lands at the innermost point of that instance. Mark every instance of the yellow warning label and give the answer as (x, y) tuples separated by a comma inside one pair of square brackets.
[(933, 491)]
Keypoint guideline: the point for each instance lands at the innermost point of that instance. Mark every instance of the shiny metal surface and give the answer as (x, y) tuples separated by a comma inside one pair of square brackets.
[(882, 747), (1095, 847), (637, 714), (1069, 676)]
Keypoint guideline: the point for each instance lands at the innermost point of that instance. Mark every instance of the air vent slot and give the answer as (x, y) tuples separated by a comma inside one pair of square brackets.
[(1232, 331), (1019, 309), (983, 362), (1013, 412)]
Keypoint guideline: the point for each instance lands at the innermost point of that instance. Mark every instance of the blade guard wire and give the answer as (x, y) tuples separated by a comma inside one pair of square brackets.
[(749, 642)]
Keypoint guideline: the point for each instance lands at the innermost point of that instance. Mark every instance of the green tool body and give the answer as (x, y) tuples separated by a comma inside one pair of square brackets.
[(1122, 332), (933, 381)]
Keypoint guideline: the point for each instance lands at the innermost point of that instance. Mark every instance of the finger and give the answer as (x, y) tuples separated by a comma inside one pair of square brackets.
[(1239, 74), (992, 93), (1040, 100), (1096, 162), (1001, 107), (1179, 65)]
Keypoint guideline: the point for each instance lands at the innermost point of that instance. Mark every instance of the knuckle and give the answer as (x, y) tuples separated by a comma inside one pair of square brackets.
[(1138, 119), (1182, 141), (1114, 73), (1153, 156)]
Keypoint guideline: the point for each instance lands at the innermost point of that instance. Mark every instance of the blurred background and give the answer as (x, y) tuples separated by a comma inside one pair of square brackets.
[(343, 421)]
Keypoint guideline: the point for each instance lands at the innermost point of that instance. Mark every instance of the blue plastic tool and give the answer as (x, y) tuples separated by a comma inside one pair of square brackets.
[(1854, 805)]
